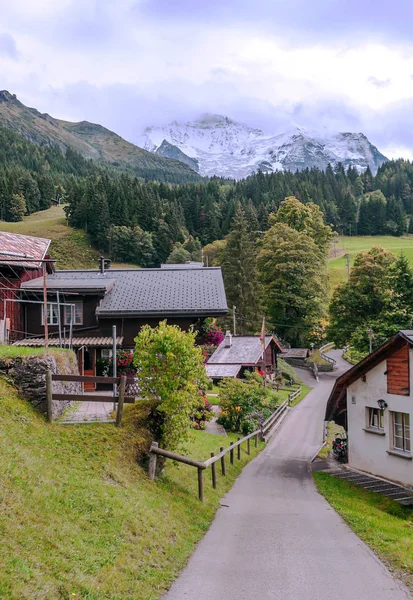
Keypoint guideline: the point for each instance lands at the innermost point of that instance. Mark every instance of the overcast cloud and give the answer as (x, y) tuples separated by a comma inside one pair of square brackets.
[(325, 65)]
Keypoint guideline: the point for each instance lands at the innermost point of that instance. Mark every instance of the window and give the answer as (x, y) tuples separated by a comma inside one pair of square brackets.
[(375, 419), (401, 431), (106, 353), (77, 314), (52, 314)]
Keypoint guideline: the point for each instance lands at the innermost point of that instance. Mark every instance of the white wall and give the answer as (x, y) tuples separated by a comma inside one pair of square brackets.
[(369, 451)]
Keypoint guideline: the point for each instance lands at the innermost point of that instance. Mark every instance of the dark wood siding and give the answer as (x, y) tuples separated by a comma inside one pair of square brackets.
[(398, 372)]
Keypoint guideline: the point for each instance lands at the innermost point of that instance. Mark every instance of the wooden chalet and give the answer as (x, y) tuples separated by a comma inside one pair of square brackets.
[(21, 259), (84, 305), (237, 354)]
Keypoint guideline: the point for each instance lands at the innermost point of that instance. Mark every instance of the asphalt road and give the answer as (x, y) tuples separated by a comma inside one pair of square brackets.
[(276, 538)]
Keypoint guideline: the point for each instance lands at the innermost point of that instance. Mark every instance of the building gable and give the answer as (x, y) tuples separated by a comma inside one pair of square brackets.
[(398, 372)]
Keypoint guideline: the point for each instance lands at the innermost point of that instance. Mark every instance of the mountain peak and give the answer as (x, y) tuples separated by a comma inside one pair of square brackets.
[(235, 150), (5, 96)]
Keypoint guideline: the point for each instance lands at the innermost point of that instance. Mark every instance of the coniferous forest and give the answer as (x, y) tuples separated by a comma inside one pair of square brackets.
[(239, 224)]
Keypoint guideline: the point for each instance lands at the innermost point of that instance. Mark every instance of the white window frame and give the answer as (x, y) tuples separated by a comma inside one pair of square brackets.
[(78, 316), (401, 441), (52, 314), (375, 418), (106, 353)]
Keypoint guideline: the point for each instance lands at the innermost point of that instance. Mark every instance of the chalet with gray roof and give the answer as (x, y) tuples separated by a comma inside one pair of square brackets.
[(235, 355), (84, 305)]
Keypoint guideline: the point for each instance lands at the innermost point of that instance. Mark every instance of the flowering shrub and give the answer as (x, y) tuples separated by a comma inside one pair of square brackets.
[(245, 402), (202, 413), (213, 335), (124, 365)]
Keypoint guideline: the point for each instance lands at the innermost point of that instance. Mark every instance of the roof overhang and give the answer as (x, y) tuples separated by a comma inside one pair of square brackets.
[(77, 342), (336, 404)]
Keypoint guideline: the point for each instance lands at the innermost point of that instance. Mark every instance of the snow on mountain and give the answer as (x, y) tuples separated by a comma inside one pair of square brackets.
[(216, 145)]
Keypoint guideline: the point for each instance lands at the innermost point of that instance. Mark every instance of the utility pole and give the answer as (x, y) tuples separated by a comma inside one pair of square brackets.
[(45, 312), (114, 363), (348, 266), (234, 308), (371, 340)]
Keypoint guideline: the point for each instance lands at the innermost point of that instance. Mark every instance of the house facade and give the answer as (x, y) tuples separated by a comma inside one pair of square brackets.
[(374, 401), (235, 355), (83, 306), (21, 259)]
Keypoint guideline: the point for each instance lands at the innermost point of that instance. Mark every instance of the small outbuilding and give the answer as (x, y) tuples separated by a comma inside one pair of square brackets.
[(237, 354)]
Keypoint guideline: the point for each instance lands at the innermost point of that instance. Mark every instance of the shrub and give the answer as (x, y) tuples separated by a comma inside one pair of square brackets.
[(171, 373), (244, 402), (202, 413)]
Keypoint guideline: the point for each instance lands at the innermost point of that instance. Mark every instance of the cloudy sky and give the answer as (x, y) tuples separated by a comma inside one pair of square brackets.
[(323, 64)]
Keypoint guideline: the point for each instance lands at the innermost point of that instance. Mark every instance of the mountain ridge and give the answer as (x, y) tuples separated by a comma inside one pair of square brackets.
[(224, 147), (91, 140)]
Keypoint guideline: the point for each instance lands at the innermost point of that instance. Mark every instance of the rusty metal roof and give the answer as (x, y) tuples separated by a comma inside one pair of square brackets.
[(77, 342), (16, 246)]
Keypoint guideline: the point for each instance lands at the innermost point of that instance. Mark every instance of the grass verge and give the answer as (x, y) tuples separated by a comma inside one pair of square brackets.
[(385, 525), (79, 518)]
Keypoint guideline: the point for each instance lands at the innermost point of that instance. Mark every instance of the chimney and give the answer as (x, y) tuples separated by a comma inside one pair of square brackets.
[(228, 339), (104, 264)]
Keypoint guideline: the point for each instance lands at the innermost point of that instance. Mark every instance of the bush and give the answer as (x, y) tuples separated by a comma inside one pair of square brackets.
[(245, 402), (171, 373), (202, 413)]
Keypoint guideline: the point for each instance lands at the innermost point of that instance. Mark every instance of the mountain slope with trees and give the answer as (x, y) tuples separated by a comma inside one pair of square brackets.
[(90, 141)]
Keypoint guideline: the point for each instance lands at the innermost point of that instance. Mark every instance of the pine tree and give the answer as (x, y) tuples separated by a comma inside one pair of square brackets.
[(240, 273)]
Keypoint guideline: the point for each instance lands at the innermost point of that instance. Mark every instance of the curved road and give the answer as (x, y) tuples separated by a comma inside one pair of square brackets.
[(276, 538)]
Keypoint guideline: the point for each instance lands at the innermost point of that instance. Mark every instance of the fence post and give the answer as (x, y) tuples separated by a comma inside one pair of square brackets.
[(222, 462), (249, 446), (201, 484), (231, 454), (49, 395), (214, 473), (239, 450), (121, 400), (256, 440), (152, 462)]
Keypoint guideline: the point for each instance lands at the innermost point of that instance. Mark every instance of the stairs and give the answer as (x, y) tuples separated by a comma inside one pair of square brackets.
[(393, 491)]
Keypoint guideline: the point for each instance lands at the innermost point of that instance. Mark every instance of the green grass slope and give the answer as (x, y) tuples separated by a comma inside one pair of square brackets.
[(337, 267), (70, 247), (79, 518), (90, 140), (385, 525)]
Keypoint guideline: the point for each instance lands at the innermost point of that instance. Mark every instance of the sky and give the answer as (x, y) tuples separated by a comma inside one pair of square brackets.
[(325, 65)]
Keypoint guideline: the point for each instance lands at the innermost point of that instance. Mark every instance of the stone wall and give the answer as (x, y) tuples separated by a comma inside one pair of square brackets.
[(28, 375)]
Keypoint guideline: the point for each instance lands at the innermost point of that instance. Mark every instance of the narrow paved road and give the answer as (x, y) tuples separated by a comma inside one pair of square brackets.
[(276, 538)]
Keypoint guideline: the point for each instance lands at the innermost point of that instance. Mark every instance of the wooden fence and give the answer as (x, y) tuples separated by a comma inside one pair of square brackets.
[(120, 398), (263, 433)]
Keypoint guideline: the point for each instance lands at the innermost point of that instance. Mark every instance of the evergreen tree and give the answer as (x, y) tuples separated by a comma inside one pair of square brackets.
[(240, 273), (294, 273)]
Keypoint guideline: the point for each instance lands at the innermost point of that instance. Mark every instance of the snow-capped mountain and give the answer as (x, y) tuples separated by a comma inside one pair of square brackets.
[(216, 145)]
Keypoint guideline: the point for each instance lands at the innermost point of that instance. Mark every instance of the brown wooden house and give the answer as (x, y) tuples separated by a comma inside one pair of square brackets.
[(235, 355), (83, 306)]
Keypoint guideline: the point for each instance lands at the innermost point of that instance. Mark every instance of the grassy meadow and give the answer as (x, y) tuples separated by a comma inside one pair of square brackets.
[(79, 518), (337, 267)]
